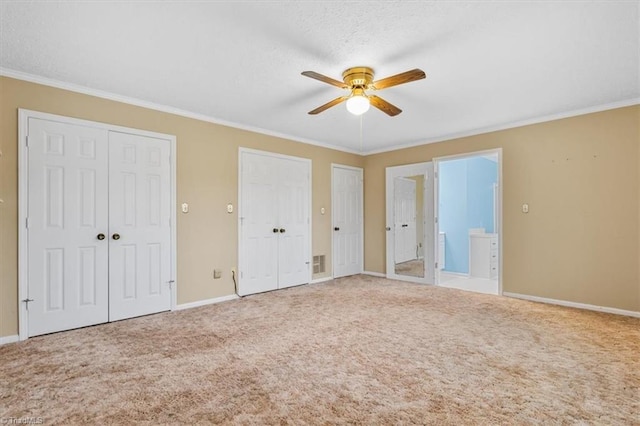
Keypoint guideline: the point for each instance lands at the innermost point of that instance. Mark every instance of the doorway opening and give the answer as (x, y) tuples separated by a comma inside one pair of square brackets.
[(469, 221)]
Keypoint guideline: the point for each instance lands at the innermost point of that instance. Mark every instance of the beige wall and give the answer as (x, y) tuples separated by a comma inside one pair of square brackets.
[(207, 178), (580, 176)]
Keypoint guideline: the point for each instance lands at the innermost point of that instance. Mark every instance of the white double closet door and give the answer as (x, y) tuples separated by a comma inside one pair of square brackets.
[(274, 221), (98, 230)]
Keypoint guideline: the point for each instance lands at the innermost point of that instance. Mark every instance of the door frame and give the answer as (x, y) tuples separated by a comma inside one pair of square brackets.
[(498, 202), (23, 180), (427, 214), (333, 252), (241, 207)]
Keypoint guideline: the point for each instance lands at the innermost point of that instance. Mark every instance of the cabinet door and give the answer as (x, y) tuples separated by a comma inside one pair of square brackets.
[(67, 260), (293, 218), (139, 228), (259, 225)]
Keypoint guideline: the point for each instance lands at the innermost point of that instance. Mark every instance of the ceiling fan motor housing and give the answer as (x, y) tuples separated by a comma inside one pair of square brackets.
[(358, 77)]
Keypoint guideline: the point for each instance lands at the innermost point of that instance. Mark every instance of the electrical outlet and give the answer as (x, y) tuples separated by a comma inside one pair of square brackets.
[(217, 273)]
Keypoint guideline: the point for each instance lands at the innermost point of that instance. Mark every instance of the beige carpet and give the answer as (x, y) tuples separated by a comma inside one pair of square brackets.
[(358, 350)]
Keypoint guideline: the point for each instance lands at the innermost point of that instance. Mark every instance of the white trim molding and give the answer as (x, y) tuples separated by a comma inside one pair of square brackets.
[(510, 125), (321, 280), (205, 302), (374, 274), (9, 339), (576, 305), (19, 75)]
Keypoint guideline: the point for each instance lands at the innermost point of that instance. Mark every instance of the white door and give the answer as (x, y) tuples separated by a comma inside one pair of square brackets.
[(293, 222), (274, 222), (347, 221), (67, 217), (139, 228), (405, 219), (259, 227)]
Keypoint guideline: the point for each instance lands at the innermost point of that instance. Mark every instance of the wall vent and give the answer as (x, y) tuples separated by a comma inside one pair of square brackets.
[(318, 264)]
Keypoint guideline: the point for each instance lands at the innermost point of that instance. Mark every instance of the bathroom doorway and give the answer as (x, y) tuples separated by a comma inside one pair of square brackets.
[(468, 222)]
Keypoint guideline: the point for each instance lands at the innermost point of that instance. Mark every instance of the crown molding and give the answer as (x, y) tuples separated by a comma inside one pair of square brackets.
[(19, 75), (511, 125)]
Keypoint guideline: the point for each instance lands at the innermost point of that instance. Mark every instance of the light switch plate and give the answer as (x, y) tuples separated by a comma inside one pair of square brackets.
[(525, 208), (185, 208), (229, 208)]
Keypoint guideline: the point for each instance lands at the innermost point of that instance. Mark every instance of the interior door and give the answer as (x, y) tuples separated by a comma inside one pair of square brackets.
[(274, 222), (347, 221), (139, 228), (293, 221), (67, 217), (405, 219), (259, 226)]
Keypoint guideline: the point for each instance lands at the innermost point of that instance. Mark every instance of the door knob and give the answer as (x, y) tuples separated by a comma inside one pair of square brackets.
[(116, 236), (275, 230), (282, 230), (404, 225), (336, 229), (100, 237)]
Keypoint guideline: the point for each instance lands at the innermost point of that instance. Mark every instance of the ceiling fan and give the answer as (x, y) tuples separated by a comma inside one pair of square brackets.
[(358, 80)]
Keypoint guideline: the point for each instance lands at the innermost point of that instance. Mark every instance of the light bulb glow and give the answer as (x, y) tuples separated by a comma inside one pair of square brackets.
[(358, 104)]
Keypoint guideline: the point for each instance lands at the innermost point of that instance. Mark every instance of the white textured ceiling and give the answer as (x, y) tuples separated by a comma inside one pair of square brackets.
[(488, 64)]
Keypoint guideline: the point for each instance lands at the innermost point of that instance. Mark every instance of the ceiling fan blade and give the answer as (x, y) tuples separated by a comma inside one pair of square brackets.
[(384, 106), (328, 105), (394, 80), (325, 79)]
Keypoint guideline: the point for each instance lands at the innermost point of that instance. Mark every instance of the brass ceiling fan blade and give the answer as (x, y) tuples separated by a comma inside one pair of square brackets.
[(328, 105), (384, 106), (394, 80), (325, 79)]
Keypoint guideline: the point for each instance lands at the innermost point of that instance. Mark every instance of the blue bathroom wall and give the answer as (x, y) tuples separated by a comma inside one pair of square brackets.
[(465, 201)]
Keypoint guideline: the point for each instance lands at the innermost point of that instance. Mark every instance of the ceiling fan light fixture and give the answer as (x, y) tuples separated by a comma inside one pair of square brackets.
[(358, 104)]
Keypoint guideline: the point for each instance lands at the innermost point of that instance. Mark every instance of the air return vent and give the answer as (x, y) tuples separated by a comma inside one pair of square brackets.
[(318, 264)]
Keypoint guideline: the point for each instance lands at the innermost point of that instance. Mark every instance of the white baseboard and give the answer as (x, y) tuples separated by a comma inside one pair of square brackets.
[(573, 304), (456, 274), (321, 280), (9, 339), (205, 302), (374, 274)]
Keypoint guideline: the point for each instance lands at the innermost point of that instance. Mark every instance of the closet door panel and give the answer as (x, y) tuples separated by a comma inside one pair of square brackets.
[(259, 226), (67, 211), (139, 228), (293, 196)]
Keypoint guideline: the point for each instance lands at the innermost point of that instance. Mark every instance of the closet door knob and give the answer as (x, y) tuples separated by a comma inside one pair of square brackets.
[(282, 230), (100, 237), (275, 230), (116, 236), (336, 229)]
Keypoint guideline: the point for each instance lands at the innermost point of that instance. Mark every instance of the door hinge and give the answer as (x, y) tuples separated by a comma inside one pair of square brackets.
[(26, 222), (436, 220), (436, 265), (27, 141)]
